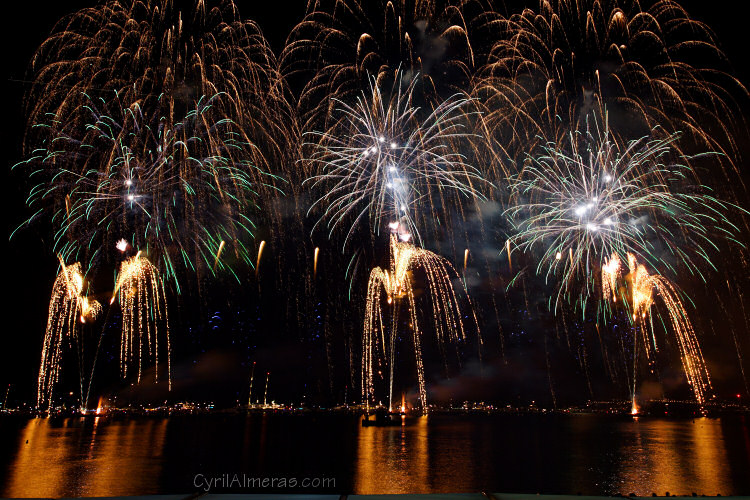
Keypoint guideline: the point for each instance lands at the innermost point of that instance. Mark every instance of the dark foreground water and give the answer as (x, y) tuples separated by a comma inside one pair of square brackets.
[(590, 454)]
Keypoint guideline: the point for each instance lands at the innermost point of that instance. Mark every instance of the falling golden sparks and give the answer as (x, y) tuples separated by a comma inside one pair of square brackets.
[(140, 292), (260, 254), (357, 38), (90, 309), (644, 288), (610, 273), (315, 262), (397, 283), (67, 305), (218, 254), (129, 154), (546, 68), (184, 175)]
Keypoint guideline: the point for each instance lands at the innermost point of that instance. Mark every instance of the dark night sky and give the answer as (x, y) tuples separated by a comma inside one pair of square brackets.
[(30, 266)]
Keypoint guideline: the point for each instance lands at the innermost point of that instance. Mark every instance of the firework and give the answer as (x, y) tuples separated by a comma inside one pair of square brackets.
[(334, 50), (160, 128), (315, 261), (581, 201), (397, 283), (177, 131), (610, 273), (548, 68), (178, 188), (67, 306), (218, 254), (140, 293), (386, 161), (260, 254), (644, 288)]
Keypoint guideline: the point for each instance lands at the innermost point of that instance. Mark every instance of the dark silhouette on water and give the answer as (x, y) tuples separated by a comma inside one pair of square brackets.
[(382, 419)]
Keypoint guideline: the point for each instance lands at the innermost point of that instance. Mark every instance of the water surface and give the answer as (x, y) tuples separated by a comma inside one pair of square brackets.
[(563, 454)]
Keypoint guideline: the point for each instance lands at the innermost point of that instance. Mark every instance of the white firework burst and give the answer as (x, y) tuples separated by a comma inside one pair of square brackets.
[(387, 160)]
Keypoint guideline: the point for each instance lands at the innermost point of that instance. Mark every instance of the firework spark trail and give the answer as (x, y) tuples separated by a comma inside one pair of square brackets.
[(175, 150), (381, 162), (654, 66), (218, 254), (340, 44), (260, 254), (68, 305), (96, 358), (179, 188), (384, 159), (316, 252), (398, 285), (592, 197), (610, 273), (140, 292), (644, 288), (174, 131)]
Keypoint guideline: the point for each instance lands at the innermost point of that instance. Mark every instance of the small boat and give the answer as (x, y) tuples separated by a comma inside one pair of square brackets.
[(382, 419)]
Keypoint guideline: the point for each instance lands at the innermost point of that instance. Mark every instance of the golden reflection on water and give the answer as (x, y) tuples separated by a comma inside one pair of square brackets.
[(69, 458), (653, 463), (590, 454), (603, 457), (393, 459)]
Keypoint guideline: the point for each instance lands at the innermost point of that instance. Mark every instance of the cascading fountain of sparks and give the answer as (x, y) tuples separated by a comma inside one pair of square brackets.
[(67, 306), (140, 292), (398, 286), (640, 294), (581, 201), (385, 158)]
